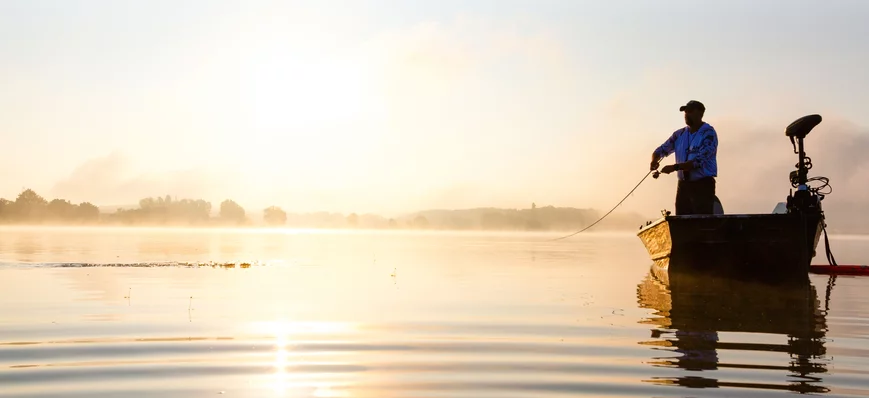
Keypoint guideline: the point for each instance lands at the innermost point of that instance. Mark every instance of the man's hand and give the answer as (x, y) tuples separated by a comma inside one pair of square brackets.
[(686, 166), (668, 169), (655, 162)]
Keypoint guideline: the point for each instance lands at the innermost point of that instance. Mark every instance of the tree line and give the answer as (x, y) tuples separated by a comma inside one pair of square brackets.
[(31, 208), (169, 211)]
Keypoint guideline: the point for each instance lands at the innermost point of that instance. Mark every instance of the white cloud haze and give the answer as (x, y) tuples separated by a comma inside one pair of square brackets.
[(409, 109)]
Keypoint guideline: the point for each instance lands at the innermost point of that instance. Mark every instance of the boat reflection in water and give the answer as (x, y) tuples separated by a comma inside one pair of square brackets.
[(714, 326)]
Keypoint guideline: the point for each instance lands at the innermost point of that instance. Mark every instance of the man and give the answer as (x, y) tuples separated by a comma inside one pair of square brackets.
[(696, 149)]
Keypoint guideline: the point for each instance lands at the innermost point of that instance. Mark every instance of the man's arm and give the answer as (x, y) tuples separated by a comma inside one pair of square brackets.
[(705, 153), (685, 166), (665, 149)]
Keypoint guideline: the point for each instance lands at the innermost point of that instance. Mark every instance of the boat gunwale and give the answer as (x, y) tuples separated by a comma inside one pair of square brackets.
[(711, 216)]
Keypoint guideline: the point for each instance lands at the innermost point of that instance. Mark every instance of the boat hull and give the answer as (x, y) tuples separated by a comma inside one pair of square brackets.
[(753, 246)]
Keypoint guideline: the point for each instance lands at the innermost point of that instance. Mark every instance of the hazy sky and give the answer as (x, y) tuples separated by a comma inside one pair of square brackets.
[(389, 106)]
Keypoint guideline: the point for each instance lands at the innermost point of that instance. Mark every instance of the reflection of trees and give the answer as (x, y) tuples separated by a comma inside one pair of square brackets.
[(167, 247), (28, 246), (690, 312)]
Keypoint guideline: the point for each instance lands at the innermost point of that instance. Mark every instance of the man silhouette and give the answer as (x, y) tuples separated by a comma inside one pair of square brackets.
[(696, 149)]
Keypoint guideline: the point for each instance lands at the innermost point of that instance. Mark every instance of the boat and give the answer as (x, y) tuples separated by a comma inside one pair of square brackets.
[(778, 246)]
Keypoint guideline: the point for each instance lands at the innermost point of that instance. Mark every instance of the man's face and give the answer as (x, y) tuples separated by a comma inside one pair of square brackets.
[(692, 116)]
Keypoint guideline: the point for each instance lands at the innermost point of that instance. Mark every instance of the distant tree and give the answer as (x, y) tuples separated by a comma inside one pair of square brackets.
[(456, 222), (127, 216), (231, 212), (29, 206), (275, 216), (508, 220), (87, 212), (148, 203), (420, 222), (28, 196), (61, 210), (392, 223), (6, 208), (533, 225), (353, 219), (492, 220), (201, 210), (189, 211), (533, 206)]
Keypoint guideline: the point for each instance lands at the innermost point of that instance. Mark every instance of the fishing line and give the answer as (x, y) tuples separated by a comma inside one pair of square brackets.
[(607, 213)]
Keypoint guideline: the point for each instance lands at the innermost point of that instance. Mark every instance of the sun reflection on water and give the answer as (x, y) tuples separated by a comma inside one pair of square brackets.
[(288, 378)]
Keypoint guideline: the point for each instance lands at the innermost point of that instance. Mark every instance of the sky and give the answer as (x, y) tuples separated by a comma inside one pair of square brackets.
[(396, 106)]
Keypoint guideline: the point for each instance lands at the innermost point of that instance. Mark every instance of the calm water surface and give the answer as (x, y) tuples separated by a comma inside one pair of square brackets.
[(123, 313)]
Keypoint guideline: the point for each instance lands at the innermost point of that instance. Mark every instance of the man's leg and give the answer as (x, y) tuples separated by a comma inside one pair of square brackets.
[(703, 196), (683, 198)]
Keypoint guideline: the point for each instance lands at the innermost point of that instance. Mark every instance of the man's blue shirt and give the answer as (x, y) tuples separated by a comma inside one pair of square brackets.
[(699, 147)]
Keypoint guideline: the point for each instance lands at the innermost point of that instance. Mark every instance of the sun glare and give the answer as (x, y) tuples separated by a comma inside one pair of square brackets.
[(285, 379), (312, 112), (303, 95)]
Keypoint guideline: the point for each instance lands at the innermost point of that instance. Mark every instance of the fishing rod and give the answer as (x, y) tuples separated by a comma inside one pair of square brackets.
[(656, 174)]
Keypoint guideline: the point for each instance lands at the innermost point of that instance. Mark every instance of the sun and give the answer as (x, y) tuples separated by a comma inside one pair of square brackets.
[(290, 92)]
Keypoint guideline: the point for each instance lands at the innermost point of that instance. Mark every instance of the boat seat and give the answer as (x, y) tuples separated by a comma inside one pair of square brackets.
[(780, 208), (801, 127)]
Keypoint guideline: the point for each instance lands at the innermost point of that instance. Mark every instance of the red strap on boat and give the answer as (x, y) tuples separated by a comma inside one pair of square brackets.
[(840, 269)]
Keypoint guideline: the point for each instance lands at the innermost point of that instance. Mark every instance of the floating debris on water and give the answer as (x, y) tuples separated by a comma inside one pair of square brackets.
[(211, 264)]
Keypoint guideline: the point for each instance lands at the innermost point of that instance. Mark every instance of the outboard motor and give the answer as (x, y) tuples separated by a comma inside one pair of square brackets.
[(805, 199)]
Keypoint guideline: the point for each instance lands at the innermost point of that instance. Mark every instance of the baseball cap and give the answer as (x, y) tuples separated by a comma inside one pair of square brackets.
[(692, 105)]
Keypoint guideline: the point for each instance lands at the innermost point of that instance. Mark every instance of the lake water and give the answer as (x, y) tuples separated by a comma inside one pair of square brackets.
[(121, 313)]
